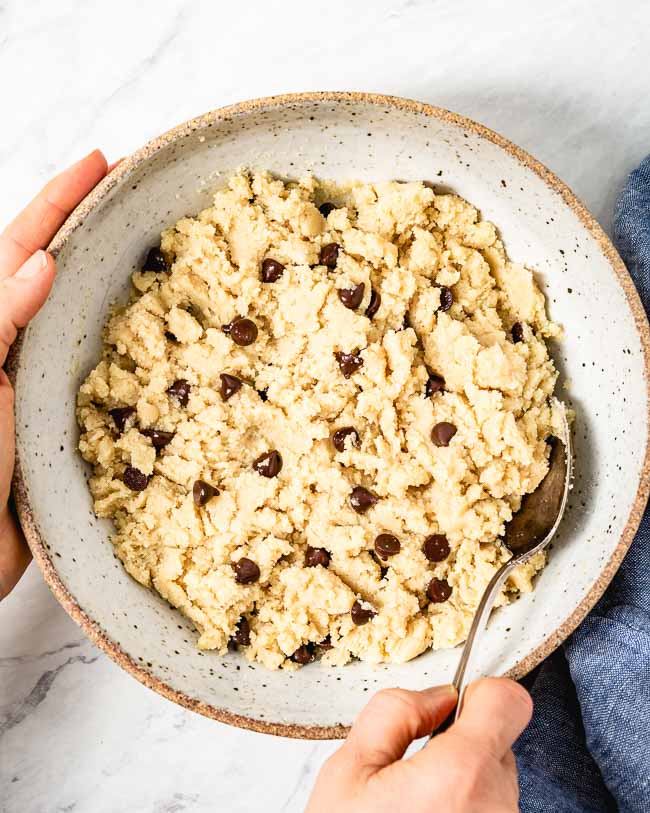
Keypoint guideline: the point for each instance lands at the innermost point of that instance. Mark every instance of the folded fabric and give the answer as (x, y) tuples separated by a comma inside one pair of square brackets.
[(588, 745)]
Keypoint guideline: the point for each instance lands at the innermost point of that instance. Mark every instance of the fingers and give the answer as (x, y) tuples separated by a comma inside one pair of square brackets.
[(26, 276), (6, 439), (14, 553), (21, 296), (495, 712), (392, 720), (39, 222)]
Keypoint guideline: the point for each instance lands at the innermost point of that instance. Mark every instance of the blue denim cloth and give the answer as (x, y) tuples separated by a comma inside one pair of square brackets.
[(588, 745)]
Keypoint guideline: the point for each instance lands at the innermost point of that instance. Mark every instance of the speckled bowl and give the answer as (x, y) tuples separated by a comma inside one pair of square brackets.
[(337, 135)]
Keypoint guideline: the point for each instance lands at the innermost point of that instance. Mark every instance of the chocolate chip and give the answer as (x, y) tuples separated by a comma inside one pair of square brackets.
[(230, 384), (135, 479), (436, 547), (316, 556), (442, 433), (517, 332), (246, 571), (263, 394), (360, 614), (435, 383), (303, 655), (373, 305), (242, 636), (329, 254), (361, 499), (243, 332), (438, 590), (446, 298), (268, 464), (203, 492), (326, 208), (181, 391), (349, 363), (271, 270), (326, 643), (156, 262), (341, 435), (158, 438), (121, 415), (387, 545), (351, 297)]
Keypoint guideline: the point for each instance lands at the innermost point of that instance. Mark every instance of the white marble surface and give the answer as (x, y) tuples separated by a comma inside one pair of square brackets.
[(566, 80)]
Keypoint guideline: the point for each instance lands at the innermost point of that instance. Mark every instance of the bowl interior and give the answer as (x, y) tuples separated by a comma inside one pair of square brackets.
[(601, 358)]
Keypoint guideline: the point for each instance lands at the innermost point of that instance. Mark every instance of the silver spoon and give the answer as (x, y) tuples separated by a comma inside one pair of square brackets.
[(529, 531)]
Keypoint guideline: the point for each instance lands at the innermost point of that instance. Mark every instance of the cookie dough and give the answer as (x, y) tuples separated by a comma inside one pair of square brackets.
[(316, 414)]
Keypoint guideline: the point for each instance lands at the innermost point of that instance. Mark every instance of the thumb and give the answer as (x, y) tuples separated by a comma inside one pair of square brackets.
[(22, 295), (495, 713), (392, 720)]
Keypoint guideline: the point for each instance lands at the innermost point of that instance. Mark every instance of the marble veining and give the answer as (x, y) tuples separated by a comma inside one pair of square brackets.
[(19, 710), (76, 733)]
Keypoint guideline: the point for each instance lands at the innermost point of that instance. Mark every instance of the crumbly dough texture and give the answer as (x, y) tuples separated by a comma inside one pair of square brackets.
[(404, 241)]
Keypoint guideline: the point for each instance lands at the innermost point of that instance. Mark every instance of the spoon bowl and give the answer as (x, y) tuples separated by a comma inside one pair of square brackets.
[(533, 526)]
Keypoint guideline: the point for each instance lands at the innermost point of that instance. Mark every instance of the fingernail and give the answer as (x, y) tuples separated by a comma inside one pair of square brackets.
[(449, 688), (98, 152), (112, 166), (438, 691), (33, 266)]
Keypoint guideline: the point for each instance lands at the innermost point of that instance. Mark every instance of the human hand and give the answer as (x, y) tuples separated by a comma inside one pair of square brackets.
[(26, 277), (468, 769)]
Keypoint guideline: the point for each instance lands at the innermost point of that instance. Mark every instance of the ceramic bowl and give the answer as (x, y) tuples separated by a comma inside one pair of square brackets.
[(604, 361)]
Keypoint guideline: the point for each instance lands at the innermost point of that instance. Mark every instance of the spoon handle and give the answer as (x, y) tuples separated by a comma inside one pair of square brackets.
[(476, 630), (478, 626)]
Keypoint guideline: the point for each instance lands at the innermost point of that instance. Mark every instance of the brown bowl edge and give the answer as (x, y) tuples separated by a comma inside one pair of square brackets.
[(20, 493)]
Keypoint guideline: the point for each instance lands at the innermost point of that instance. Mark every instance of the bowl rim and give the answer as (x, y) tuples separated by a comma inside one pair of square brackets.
[(20, 492)]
